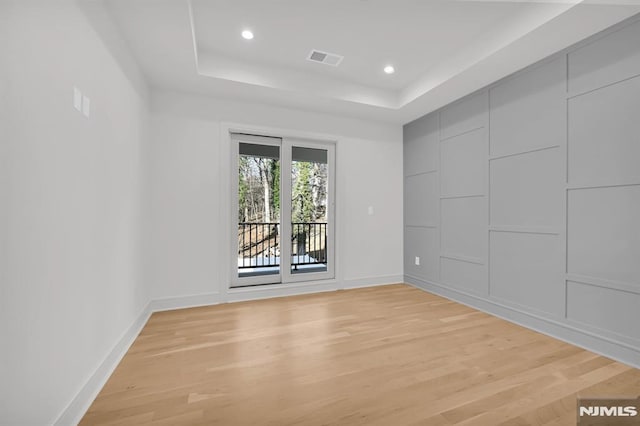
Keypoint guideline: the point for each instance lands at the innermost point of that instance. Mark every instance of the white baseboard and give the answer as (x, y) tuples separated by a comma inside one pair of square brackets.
[(243, 294), (294, 289), (182, 302), (373, 281), (602, 345), (82, 401)]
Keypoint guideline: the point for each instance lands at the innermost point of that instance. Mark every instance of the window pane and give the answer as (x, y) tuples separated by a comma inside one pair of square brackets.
[(258, 210), (309, 222)]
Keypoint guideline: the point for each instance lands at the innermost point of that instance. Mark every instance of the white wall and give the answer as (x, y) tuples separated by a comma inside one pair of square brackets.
[(70, 201), (187, 233), (95, 222), (523, 199)]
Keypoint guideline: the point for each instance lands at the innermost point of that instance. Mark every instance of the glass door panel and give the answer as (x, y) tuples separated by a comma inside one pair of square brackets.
[(282, 210), (309, 210), (258, 213)]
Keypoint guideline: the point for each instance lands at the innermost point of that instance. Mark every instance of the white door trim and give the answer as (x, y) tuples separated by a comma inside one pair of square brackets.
[(229, 187)]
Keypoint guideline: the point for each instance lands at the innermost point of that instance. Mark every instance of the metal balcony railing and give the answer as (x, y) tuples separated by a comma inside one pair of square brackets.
[(259, 244)]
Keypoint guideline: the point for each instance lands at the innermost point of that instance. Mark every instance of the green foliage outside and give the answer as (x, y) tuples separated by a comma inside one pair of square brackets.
[(302, 200), (259, 190)]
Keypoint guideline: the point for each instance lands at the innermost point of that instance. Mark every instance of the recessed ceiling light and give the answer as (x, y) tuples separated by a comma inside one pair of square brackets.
[(247, 35), (389, 69)]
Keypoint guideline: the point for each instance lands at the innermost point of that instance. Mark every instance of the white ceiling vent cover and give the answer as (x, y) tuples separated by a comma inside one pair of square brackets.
[(325, 58)]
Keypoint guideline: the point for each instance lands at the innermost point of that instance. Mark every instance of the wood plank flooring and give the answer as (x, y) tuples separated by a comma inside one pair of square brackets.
[(391, 355)]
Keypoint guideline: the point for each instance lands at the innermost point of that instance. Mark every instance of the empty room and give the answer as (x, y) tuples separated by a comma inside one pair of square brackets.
[(319, 212)]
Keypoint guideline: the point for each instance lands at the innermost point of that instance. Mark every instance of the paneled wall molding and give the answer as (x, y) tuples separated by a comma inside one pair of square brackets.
[(518, 307), (421, 173), (618, 339), (601, 185), (454, 197), (467, 259), (456, 135), (614, 338), (606, 59), (463, 116), (428, 226), (608, 284), (606, 86), (569, 331), (619, 326), (529, 151), (539, 196), (524, 229)]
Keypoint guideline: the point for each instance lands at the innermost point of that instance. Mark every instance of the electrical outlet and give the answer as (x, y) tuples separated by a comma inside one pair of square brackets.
[(417, 261)]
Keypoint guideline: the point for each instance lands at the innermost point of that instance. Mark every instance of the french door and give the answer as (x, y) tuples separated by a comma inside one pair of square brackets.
[(282, 210)]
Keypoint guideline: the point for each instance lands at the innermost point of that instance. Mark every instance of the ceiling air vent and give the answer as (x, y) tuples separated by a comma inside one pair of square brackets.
[(325, 58)]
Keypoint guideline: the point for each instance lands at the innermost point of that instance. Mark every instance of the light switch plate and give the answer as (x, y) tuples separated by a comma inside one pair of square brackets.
[(417, 261), (86, 106), (77, 99)]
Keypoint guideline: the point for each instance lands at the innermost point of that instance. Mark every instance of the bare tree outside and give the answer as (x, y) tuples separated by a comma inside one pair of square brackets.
[(259, 211)]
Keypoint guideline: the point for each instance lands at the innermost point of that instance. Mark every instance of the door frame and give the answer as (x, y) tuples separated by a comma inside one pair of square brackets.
[(285, 143)]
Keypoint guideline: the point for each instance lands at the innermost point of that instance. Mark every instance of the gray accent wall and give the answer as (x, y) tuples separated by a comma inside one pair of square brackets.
[(523, 199)]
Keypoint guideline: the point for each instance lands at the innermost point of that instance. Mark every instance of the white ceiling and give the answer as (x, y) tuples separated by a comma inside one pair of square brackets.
[(441, 49)]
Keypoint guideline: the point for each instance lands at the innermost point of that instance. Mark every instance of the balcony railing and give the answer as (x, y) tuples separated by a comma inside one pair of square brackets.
[(308, 243), (259, 244)]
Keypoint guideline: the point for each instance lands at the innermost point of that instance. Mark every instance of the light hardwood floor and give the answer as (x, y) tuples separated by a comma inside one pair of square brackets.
[(391, 355)]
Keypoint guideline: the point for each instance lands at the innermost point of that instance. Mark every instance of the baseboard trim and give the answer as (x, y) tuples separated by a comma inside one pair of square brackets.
[(183, 302), (84, 398), (245, 294), (585, 339), (79, 405), (373, 281), (242, 294)]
